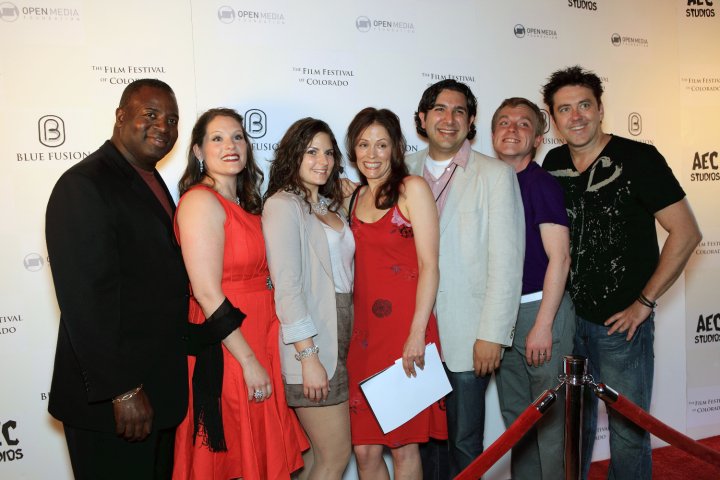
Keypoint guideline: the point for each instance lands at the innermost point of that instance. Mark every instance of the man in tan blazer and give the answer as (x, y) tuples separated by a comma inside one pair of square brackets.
[(482, 246)]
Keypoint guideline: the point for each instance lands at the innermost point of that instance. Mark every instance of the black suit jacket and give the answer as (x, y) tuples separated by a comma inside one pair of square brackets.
[(122, 291)]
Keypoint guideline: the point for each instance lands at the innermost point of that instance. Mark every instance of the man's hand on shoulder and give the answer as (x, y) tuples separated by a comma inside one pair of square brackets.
[(486, 357), (133, 415)]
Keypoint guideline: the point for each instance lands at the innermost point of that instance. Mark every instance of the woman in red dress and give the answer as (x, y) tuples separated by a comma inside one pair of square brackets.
[(238, 423), (395, 223)]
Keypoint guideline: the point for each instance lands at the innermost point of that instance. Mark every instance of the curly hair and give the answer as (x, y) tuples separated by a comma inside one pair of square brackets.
[(248, 180), (285, 167), (389, 192), (575, 75), (429, 97)]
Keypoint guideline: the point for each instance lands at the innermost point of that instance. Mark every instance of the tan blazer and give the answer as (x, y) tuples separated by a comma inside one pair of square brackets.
[(482, 249), (299, 260)]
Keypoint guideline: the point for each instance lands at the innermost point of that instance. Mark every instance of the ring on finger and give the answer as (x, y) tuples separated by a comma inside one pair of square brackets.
[(258, 395)]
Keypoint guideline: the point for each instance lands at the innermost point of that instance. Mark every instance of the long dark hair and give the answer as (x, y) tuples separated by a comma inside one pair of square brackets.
[(248, 180), (389, 192), (285, 167)]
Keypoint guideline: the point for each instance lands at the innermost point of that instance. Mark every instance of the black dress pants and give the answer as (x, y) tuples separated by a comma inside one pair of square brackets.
[(102, 455)]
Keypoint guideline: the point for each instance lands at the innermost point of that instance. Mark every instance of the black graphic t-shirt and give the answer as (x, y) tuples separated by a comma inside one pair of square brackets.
[(611, 206)]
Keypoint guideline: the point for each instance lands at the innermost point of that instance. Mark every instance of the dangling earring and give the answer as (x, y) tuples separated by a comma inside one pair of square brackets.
[(202, 165)]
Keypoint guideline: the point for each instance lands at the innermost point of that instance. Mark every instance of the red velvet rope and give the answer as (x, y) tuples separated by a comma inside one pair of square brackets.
[(504, 443), (646, 421)]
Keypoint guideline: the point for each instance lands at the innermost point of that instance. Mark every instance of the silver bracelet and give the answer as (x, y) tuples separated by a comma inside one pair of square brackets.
[(308, 352)]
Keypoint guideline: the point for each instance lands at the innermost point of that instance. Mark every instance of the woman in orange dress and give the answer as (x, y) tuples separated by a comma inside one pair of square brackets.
[(238, 423)]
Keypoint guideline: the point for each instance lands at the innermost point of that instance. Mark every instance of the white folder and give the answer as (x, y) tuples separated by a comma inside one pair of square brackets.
[(394, 398)]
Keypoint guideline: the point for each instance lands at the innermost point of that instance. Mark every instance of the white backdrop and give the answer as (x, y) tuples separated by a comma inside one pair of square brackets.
[(64, 64)]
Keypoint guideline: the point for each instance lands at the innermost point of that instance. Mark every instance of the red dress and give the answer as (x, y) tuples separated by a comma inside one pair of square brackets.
[(386, 278), (264, 440)]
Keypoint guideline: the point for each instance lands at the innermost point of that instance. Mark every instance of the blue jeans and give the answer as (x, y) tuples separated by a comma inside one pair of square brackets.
[(466, 418), (627, 367)]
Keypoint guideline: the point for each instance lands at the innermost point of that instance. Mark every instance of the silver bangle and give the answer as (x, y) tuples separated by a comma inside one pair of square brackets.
[(308, 352)]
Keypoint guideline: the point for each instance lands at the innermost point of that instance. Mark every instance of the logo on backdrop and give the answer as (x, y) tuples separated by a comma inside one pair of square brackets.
[(708, 328), (126, 74), (365, 24), (583, 4), (705, 167), (9, 323), (255, 123), (521, 31), (699, 85), (708, 247), (51, 131), (635, 128), (256, 126), (436, 77), (325, 76), (33, 262), (634, 124), (9, 12), (9, 441), (226, 14), (546, 117), (627, 41), (52, 134), (700, 8), (549, 139)]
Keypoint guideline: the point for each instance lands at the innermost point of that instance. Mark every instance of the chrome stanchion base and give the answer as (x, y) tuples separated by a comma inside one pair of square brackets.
[(575, 376)]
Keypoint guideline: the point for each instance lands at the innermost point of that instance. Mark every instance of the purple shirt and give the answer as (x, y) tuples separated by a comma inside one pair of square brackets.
[(544, 202)]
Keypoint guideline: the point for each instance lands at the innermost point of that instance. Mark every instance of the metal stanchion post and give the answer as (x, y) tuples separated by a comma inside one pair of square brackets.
[(575, 369)]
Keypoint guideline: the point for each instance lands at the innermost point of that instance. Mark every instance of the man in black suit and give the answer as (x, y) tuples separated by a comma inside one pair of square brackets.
[(120, 379)]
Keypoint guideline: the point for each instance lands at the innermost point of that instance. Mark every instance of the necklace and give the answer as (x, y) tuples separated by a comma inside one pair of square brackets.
[(446, 183), (319, 208), (237, 201)]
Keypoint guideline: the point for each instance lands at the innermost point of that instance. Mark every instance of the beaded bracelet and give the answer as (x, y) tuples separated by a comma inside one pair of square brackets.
[(128, 395), (308, 352)]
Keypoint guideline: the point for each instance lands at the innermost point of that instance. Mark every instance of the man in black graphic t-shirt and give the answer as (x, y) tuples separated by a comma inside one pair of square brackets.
[(615, 189)]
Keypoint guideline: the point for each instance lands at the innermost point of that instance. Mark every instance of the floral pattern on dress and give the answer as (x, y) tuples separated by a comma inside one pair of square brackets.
[(404, 227)]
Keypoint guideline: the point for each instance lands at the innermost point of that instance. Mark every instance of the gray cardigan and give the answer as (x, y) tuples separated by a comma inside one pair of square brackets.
[(299, 260)]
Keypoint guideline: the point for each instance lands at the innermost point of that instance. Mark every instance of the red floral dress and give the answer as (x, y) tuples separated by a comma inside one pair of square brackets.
[(386, 278)]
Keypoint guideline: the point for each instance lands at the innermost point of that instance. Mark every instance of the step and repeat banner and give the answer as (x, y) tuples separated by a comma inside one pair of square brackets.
[(64, 64)]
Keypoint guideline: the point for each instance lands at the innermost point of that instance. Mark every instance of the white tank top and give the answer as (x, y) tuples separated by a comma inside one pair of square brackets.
[(342, 254)]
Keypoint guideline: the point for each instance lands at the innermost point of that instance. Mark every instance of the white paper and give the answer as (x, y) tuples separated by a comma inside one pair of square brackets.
[(394, 398)]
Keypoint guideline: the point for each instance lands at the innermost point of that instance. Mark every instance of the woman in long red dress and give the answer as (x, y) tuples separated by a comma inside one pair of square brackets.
[(395, 223), (238, 423)]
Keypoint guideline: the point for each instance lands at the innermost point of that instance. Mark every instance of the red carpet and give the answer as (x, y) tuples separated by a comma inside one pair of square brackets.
[(670, 463)]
